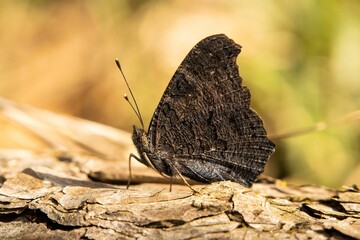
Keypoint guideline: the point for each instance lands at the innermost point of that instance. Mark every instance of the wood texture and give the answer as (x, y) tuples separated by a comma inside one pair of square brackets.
[(63, 203)]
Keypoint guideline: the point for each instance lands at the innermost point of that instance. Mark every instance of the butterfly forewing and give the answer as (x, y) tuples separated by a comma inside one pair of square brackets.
[(203, 125)]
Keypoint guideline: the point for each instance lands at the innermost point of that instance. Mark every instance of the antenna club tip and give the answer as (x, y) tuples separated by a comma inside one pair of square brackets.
[(118, 63)]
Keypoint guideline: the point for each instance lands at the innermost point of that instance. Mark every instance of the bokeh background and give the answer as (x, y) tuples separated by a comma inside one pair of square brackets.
[(300, 59)]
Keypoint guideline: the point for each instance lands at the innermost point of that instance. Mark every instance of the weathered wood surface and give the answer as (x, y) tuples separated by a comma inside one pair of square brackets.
[(57, 191), (62, 203)]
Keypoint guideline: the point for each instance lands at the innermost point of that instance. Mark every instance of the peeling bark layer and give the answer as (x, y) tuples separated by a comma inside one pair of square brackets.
[(41, 203)]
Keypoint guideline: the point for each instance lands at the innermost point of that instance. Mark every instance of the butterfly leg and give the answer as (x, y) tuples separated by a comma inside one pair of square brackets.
[(182, 177), (171, 182), (129, 178)]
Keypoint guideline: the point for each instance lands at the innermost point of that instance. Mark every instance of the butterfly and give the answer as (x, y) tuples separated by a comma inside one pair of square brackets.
[(203, 127)]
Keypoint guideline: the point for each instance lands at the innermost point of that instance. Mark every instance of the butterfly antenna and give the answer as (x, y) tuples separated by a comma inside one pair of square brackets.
[(137, 111)]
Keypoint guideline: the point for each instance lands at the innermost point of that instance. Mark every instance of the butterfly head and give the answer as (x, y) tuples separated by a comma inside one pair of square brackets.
[(140, 138), (141, 141)]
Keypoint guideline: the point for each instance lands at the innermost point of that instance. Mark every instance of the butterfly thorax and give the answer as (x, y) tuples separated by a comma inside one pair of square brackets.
[(147, 154)]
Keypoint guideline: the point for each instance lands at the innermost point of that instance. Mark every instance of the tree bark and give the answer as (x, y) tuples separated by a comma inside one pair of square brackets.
[(41, 203)]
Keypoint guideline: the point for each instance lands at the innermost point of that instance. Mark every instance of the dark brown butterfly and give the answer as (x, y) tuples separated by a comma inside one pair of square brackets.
[(203, 127)]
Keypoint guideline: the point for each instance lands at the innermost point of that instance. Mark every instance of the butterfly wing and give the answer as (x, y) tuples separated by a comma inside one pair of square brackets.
[(204, 124)]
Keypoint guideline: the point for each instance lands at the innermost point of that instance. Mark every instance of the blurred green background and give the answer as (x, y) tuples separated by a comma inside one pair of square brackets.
[(300, 59)]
